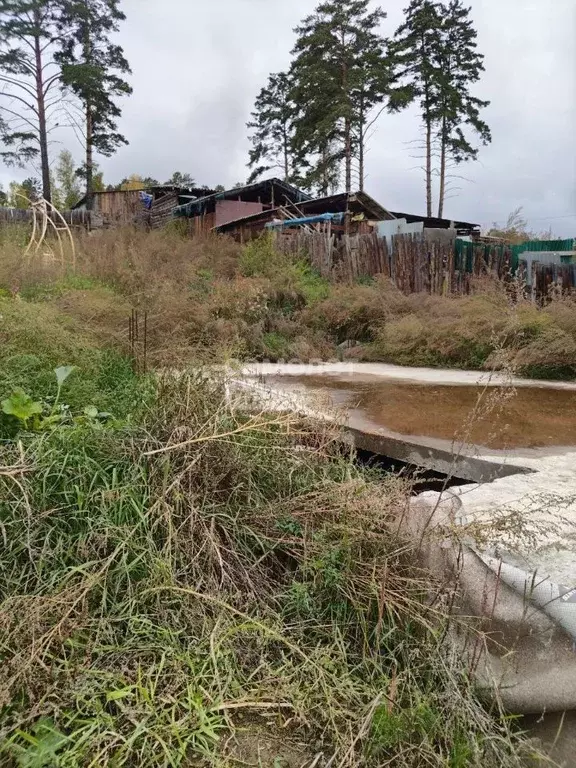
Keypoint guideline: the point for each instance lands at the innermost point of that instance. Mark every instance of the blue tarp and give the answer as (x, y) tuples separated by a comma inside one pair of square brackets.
[(338, 218), (147, 200)]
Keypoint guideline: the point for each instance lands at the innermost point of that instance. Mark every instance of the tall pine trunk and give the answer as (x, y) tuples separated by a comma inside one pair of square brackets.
[(428, 121), (286, 153), (89, 122), (443, 140), (361, 138), (89, 158), (347, 125), (348, 154), (42, 129), (361, 165), (325, 176)]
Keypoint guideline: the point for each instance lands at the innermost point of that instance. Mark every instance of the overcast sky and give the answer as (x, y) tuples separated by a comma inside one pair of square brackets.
[(197, 67)]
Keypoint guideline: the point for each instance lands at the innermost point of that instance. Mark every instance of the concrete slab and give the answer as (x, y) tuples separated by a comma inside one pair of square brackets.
[(464, 462), (516, 553), (536, 484)]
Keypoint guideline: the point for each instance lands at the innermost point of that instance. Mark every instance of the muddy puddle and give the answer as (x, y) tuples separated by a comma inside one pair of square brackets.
[(494, 417)]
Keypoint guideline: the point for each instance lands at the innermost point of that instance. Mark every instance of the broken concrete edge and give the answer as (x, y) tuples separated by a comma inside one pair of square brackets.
[(528, 660), (515, 629), (535, 667), (408, 450), (450, 464)]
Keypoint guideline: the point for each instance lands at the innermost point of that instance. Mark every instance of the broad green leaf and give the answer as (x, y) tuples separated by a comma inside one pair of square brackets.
[(91, 411), (63, 372), (21, 405)]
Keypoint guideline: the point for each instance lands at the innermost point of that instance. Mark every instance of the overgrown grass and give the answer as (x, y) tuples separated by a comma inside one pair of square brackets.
[(175, 581), (211, 298)]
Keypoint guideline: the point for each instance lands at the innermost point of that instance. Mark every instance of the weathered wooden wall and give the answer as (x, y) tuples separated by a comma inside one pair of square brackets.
[(119, 207), (549, 277), (341, 258), (162, 209), (200, 226)]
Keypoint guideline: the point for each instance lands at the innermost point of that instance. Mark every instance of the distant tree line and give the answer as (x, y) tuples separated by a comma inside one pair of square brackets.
[(313, 123)]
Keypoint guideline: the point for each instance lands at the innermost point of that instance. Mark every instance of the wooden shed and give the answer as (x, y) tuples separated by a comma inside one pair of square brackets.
[(116, 207)]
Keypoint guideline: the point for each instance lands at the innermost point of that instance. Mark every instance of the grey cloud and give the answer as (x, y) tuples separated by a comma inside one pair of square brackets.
[(199, 65)]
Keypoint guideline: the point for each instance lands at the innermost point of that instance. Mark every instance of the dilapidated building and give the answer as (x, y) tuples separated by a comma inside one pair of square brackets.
[(244, 212), (212, 212), (149, 206)]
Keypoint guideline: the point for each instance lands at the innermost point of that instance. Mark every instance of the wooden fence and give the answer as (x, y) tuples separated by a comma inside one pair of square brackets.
[(553, 277), (12, 216), (415, 263)]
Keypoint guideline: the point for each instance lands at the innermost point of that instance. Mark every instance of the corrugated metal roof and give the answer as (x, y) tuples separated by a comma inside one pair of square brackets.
[(434, 223)]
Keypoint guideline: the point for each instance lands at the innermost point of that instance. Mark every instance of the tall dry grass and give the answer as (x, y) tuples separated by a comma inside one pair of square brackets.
[(209, 298), (169, 587)]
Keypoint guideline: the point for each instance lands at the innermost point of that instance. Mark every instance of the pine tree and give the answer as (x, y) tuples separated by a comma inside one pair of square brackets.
[(184, 180), (340, 74), (417, 74), (272, 130), (461, 65), (373, 81), (324, 177), (29, 78), (93, 67)]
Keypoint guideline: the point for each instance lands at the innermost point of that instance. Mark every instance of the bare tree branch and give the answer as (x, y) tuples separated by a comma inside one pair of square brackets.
[(18, 84), (20, 99)]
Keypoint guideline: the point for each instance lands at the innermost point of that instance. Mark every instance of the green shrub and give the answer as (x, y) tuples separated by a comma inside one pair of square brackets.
[(51, 290), (308, 282), (276, 346), (260, 258), (35, 339)]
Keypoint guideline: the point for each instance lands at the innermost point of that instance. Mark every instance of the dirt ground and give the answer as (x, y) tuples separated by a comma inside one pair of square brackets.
[(495, 417), (265, 745)]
